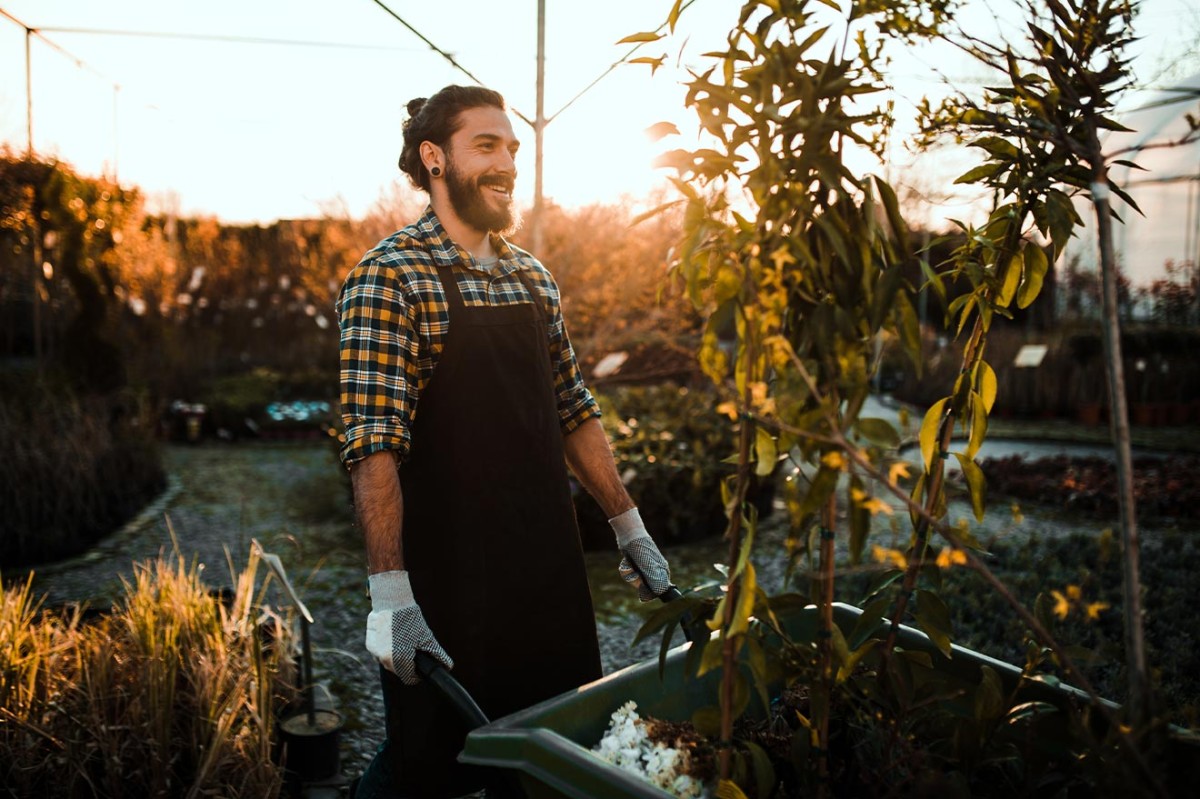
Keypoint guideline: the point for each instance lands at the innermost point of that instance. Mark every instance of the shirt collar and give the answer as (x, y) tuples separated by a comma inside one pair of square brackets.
[(447, 253)]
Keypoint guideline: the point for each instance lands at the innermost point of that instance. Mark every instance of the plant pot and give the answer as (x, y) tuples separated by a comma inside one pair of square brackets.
[(311, 749), (1089, 413), (547, 747)]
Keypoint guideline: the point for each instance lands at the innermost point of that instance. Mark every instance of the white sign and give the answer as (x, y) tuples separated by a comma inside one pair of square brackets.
[(1030, 355)]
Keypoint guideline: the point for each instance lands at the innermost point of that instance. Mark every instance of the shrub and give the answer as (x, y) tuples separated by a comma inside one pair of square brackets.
[(172, 693), (76, 468), (671, 447)]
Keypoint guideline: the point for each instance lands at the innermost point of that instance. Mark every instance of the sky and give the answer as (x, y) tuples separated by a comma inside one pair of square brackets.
[(252, 131)]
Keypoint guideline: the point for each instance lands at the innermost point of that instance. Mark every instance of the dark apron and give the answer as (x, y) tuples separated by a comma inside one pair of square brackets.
[(490, 540)]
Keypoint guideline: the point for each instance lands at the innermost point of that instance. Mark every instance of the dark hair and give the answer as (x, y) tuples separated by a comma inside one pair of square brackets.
[(436, 120)]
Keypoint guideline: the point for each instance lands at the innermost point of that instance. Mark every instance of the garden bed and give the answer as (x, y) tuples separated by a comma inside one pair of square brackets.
[(1163, 486)]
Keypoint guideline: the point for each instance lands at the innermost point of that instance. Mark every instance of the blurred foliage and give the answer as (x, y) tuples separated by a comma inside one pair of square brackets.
[(673, 450)]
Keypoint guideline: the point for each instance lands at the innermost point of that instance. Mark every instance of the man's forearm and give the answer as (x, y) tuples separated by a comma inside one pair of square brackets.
[(380, 508), (590, 458)]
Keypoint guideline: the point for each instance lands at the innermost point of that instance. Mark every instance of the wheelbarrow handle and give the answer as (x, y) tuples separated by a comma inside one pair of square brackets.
[(429, 668), (685, 621)]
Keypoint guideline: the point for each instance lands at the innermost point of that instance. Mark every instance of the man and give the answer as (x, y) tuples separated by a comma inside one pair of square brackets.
[(463, 406)]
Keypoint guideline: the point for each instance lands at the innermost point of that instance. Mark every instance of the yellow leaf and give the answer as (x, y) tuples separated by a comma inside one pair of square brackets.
[(951, 557), (898, 472), (886, 555), (728, 789), (728, 409), (1061, 606), (782, 257), (1074, 593), (858, 495), (1095, 608), (876, 506), (638, 38), (1017, 516), (834, 460)]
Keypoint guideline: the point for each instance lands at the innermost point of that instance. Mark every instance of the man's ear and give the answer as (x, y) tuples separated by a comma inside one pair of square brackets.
[(432, 156)]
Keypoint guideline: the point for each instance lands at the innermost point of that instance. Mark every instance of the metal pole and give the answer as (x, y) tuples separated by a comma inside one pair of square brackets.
[(28, 97), (116, 132), (539, 127)]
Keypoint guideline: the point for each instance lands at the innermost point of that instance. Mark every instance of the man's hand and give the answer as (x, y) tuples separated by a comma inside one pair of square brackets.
[(643, 565), (396, 628)]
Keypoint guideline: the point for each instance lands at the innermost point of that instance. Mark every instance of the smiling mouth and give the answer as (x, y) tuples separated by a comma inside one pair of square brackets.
[(504, 189)]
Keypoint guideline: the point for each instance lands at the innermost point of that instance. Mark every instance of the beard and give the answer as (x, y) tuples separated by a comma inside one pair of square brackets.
[(472, 205)]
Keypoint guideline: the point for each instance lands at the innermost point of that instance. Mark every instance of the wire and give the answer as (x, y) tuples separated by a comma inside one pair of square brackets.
[(432, 46), (611, 67), (79, 62), (224, 38)]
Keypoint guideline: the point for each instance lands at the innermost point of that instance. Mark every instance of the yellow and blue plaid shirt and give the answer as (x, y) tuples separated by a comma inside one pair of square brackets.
[(394, 316)]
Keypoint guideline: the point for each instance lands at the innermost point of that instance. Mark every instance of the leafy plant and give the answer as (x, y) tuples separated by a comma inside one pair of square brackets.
[(796, 262), (171, 693)]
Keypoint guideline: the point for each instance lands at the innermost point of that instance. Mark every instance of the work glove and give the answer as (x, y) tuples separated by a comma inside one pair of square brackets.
[(643, 565), (396, 628)]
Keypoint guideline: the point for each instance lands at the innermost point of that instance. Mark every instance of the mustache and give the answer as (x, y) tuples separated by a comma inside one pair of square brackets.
[(506, 183)]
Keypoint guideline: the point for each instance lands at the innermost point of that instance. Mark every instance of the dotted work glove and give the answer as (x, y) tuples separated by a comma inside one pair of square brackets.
[(643, 565), (396, 628)]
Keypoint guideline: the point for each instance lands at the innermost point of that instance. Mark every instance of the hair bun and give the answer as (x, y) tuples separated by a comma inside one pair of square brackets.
[(415, 106)]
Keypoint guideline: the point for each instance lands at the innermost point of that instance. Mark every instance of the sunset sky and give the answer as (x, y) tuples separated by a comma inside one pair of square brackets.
[(254, 131)]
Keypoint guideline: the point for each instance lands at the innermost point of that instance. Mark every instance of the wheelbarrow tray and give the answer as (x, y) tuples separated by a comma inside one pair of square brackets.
[(547, 747)]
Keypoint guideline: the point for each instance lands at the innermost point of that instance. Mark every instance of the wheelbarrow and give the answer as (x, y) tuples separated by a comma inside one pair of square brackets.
[(502, 781)]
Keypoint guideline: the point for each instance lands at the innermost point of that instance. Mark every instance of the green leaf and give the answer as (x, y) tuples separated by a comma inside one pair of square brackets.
[(1043, 611), (929, 432), (766, 455), (1010, 280), (987, 385), (744, 609), (975, 483), (822, 486), (882, 581), (713, 655), (868, 621), (982, 172), (1061, 217), (1036, 265), (933, 617), (979, 424), (878, 431), (707, 721), (639, 38), (989, 696), (860, 521), (764, 772)]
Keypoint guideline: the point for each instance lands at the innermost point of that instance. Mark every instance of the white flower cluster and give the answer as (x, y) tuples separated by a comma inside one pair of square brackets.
[(627, 746)]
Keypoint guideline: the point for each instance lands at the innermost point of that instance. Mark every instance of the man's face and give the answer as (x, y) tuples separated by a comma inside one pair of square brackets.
[(480, 170)]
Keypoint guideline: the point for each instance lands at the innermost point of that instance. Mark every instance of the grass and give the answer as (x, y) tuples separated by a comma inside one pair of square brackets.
[(173, 692)]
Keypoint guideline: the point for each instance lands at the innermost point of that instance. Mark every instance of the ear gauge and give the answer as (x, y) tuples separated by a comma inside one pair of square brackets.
[(436, 171)]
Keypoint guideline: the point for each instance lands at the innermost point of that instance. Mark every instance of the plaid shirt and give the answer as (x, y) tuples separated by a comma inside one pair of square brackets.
[(393, 317)]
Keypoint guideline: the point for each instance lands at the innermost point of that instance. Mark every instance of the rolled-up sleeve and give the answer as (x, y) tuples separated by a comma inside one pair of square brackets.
[(378, 355), (575, 403)]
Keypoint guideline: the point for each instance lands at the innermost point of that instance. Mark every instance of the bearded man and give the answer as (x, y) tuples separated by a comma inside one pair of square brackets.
[(463, 406)]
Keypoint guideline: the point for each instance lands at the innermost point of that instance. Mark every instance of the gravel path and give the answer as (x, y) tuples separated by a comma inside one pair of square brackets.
[(293, 499)]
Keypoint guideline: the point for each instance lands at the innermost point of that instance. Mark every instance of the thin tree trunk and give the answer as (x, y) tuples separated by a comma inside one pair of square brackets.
[(1135, 647)]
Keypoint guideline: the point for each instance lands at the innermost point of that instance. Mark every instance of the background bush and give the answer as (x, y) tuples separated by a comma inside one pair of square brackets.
[(671, 447), (74, 468)]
